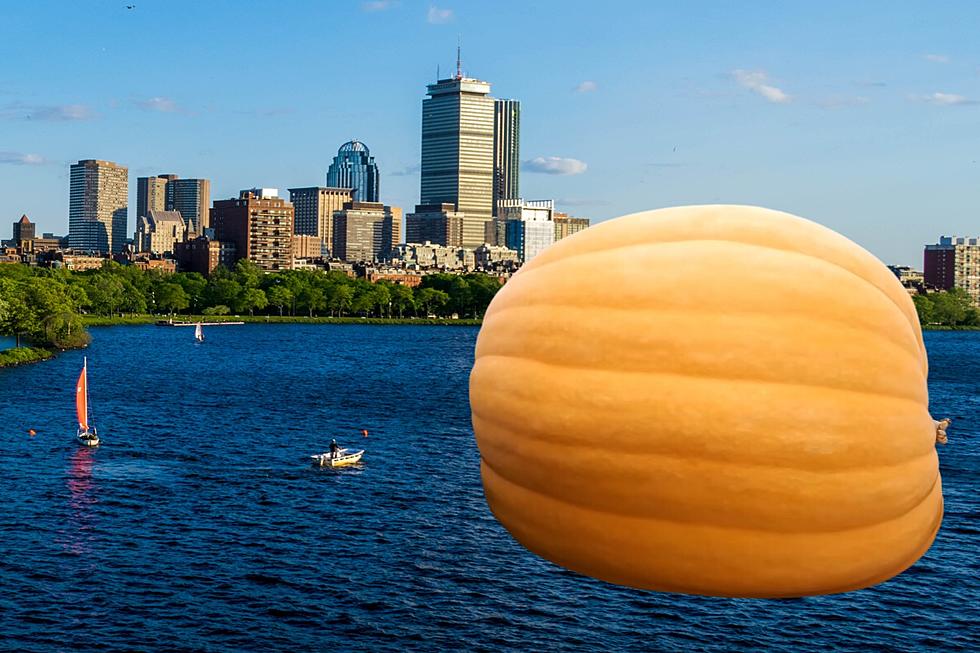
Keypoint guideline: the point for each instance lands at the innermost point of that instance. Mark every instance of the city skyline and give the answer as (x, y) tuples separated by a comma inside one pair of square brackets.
[(862, 131)]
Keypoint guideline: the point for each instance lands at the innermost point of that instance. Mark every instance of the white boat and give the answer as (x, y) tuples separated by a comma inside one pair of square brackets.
[(87, 435), (340, 458), (198, 332)]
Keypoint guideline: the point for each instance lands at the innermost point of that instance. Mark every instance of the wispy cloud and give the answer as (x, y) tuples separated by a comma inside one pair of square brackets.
[(161, 104), (588, 86), (757, 82), (555, 165), (57, 112), (936, 58), (842, 101), (944, 99), (22, 159), (439, 16), (407, 171), (378, 5), (581, 202)]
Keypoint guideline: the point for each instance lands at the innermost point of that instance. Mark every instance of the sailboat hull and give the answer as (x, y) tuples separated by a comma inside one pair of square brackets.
[(88, 441)]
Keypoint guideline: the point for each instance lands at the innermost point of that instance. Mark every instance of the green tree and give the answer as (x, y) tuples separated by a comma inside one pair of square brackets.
[(170, 297), (253, 299), (402, 299), (430, 300), (382, 299), (105, 292), (279, 297), (222, 291), (340, 299), (925, 308)]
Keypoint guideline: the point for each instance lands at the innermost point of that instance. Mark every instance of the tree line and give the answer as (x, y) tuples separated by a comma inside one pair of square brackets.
[(952, 308), (44, 304)]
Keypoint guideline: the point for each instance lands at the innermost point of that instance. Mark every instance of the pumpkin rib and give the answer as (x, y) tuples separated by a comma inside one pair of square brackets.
[(525, 428), (579, 255), (526, 532), (647, 501), (489, 319), (611, 509), (731, 379)]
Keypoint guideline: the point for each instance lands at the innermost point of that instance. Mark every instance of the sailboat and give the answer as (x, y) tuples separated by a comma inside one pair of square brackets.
[(86, 436), (198, 333)]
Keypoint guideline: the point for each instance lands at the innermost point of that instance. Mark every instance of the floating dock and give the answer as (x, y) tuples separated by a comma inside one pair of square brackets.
[(190, 324)]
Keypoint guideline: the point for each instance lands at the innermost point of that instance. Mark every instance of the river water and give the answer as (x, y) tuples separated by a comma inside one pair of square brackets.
[(200, 525)]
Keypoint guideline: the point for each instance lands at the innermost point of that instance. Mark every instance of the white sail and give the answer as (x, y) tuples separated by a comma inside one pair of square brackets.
[(198, 333)]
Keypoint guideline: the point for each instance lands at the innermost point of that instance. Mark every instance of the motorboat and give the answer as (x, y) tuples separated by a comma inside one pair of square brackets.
[(338, 458)]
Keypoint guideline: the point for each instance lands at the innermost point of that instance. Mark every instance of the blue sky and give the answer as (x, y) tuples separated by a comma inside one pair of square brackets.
[(862, 116)]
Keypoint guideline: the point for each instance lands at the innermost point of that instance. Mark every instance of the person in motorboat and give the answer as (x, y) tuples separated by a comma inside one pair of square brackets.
[(334, 448)]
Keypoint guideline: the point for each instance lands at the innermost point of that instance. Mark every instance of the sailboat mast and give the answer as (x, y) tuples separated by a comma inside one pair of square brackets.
[(85, 367)]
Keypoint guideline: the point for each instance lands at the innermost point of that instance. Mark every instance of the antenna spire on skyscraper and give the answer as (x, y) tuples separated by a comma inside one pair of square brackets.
[(459, 63)]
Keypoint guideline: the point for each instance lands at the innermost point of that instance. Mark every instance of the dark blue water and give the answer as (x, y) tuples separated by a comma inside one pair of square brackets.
[(199, 524)]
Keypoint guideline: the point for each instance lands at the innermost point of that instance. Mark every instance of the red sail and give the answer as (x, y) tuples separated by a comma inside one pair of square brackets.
[(81, 399)]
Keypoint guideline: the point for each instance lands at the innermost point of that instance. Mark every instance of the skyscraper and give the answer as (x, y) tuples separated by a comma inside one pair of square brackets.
[(506, 150), (97, 206), (529, 226), (151, 195), (192, 197), (314, 207), (354, 167), (365, 231), (457, 151), (435, 223)]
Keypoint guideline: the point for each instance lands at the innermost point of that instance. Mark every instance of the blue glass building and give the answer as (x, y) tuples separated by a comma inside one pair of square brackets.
[(354, 167)]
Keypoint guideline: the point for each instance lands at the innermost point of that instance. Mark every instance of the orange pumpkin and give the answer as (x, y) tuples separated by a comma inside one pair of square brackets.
[(719, 400)]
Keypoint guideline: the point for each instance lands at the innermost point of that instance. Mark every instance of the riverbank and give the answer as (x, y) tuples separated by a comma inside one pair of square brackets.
[(940, 327), (23, 356), (101, 320)]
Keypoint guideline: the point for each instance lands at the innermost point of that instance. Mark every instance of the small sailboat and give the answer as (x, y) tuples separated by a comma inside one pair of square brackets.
[(86, 435), (198, 333)]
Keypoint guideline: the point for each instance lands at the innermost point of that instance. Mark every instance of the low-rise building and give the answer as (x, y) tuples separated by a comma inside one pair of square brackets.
[(165, 265), (566, 225), (431, 256), (81, 262), (10, 255), (159, 231), (204, 254), (953, 263), (913, 280), (399, 276), (495, 257)]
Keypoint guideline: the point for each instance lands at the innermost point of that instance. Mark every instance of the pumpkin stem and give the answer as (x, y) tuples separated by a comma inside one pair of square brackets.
[(941, 426)]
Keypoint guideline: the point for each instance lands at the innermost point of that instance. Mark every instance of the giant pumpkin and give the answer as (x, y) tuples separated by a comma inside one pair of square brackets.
[(719, 400)]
